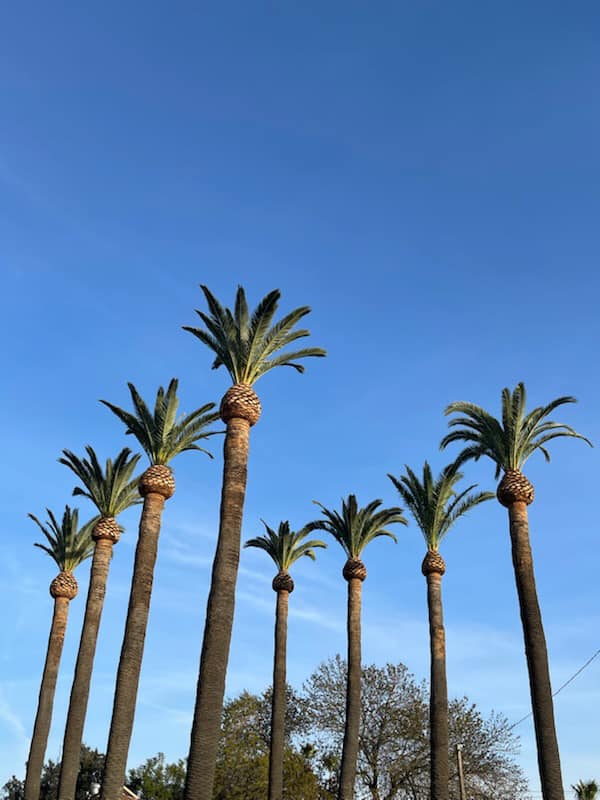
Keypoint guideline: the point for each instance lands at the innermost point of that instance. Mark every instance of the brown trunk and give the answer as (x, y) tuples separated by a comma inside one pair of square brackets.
[(537, 655), (279, 698), (83, 670), (41, 728), (352, 729), (438, 697), (132, 650), (206, 726)]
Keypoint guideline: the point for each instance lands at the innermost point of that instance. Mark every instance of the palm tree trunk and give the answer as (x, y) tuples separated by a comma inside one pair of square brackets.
[(83, 670), (537, 655), (206, 726), (352, 728), (132, 650), (43, 718), (438, 697), (279, 698)]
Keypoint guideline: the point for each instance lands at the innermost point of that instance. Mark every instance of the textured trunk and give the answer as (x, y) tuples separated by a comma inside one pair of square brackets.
[(206, 726), (83, 670), (537, 655), (351, 731), (438, 698), (132, 650), (41, 728), (279, 698)]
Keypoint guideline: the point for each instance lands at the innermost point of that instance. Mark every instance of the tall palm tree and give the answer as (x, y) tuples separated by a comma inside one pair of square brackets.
[(68, 545), (435, 506), (509, 442), (285, 548), (586, 790), (162, 435), (353, 529), (248, 346), (111, 490)]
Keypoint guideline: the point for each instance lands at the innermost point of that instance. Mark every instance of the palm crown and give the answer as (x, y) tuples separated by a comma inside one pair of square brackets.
[(285, 547), (434, 503), (111, 490), (355, 527), (68, 544), (246, 344), (512, 441), (586, 790), (163, 434)]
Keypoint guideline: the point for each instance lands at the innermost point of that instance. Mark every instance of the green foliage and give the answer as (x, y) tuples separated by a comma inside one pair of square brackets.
[(511, 441), (111, 490), (246, 344), (285, 547), (162, 434), (90, 771), (434, 503), (355, 527), (586, 790), (157, 780), (68, 544)]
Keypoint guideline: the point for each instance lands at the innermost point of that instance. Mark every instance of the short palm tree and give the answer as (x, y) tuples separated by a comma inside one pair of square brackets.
[(285, 548), (248, 346), (586, 790), (111, 490), (509, 442), (435, 506), (68, 545), (353, 529), (162, 435)]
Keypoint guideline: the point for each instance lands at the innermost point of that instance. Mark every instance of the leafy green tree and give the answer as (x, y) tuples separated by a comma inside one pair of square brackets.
[(248, 346), (586, 790), (68, 546), (155, 779), (91, 765), (111, 490), (285, 548), (508, 443), (162, 435), (354, 528), (435, 506)]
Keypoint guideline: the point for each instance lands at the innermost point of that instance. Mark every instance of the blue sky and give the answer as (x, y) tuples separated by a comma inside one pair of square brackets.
[(425, 177)]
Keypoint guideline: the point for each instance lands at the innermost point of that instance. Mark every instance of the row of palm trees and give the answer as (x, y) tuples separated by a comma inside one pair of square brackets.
[(248, 345)]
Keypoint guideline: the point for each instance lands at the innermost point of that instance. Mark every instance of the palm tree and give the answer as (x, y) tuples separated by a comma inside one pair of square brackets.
[(68, 545), (436, 506), (586, 790), (509, 443), (162, 435), (248, 346), (285, 548), (111, 491), (353, 529)]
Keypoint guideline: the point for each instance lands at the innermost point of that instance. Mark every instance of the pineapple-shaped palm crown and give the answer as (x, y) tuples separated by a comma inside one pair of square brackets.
[(435, 506), (285, 548), (355, 527)]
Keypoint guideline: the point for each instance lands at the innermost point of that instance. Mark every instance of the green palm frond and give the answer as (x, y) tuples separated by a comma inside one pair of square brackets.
[(68, 544), (586, 790), (162, 434), (355, 527), (111, 490), (285, 546), (246, 344), (511, 441), (434, 502)]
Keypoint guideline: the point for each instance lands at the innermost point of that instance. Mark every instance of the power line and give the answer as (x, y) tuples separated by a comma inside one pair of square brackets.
[(560, 688)]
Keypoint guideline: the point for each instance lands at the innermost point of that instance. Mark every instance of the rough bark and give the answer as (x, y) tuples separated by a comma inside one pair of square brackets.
[(83, 670), (43, 717), (279, 698), (206, 725), (132, 650), (537, 655), (438, 697), (352, 727)]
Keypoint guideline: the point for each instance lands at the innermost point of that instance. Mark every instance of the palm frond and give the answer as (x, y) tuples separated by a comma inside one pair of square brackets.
[(68, 544), (111, 490), (285, 546), (246, 344), (163, 434)]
